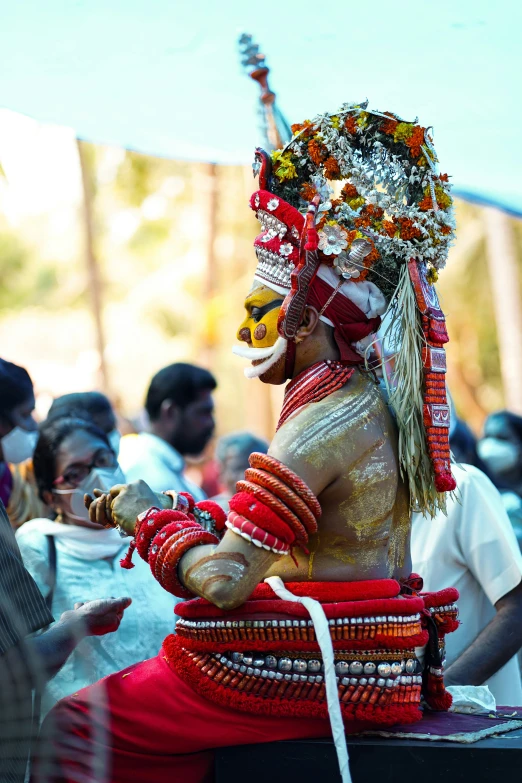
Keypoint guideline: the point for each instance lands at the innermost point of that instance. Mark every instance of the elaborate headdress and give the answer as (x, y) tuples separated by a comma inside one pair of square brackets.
[(354, 212)]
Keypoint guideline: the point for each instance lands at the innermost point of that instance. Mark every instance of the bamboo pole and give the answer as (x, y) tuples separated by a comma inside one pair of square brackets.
[(507, 302), (212, 195), (92, 266)]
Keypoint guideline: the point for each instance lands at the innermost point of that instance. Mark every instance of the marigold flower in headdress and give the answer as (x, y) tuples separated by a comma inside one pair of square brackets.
[(403, 131), (427, 202), (407, 229), (283, 165), (415, 141), (389, 227), (349, 191), (389, 126), (317, 151), (350, 124), (307, 191), (331, 168), (432, 275), (305, 129)]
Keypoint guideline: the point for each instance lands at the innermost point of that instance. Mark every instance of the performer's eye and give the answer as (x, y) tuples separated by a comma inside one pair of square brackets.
[(257, 313)]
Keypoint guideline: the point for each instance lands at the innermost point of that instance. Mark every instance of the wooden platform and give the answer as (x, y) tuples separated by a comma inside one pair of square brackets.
[(491, 760)]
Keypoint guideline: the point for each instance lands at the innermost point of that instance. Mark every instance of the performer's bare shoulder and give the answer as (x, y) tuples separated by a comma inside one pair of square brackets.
[(345, 448)]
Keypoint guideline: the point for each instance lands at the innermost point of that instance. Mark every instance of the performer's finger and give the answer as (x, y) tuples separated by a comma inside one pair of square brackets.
[(100, 511), (92, 510), (108, 509), (116, 489)]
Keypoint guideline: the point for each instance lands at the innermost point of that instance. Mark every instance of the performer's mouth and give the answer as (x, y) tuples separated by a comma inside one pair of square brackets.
[(261, 359)]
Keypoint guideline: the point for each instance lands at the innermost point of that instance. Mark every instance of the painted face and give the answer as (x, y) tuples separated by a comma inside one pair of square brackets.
[(259, 329)]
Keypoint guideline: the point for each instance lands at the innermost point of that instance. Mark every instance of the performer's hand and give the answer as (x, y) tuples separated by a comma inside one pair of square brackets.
[(96, 618), (122, 504)]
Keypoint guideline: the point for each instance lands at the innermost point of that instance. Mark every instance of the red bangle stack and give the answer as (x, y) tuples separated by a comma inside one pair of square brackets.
[(273, 507), (163, 537), (160, 538), (256, 535), (148, 524), (171, 553)]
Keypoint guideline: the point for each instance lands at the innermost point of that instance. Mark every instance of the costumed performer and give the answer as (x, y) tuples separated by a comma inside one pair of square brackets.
[(339, 631)]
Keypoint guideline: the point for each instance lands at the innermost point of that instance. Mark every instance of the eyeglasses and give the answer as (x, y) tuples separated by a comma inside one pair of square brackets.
[(76, 473)]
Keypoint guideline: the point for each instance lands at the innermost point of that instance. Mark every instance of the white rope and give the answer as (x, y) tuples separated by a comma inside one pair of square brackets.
[(322, 633)]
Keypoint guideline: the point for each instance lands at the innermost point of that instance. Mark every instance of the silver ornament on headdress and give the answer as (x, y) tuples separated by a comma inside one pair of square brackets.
[(349, 265)]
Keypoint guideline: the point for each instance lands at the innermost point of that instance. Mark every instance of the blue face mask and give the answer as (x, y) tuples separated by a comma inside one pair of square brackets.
[(18, 445), (500, 456), (99, 478), (114, 438)]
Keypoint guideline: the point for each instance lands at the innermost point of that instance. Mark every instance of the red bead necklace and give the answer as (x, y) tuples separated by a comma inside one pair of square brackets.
[(313, 385)]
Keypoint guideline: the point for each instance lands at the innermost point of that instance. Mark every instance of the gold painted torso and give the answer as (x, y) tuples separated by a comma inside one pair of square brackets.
[(345, 448)]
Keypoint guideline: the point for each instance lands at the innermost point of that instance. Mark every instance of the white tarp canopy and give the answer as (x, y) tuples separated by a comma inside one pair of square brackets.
[(163, 76)]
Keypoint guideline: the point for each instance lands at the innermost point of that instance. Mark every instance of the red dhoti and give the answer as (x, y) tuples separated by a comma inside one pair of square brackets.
[(146, 724), (251, 675)]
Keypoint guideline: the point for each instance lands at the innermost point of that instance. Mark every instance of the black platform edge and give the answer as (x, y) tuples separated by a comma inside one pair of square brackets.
[(374, 760)]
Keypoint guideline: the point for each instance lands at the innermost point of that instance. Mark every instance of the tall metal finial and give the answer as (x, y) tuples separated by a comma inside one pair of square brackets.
[(276, 129)]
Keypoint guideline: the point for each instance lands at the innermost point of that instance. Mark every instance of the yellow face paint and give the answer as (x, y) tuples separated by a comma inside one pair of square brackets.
[(257, 303)]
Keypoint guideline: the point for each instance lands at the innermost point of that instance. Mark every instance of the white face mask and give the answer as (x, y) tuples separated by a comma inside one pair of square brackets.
[(18, 445), (499, 455), (99, 478), (114, 438)]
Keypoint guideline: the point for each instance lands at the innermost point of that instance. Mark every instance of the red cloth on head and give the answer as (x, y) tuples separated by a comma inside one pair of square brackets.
[(350, 323)]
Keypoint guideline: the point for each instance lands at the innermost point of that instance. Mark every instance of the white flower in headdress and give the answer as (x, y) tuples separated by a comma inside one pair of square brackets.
[(286, 249), (273, 204), (332, 239)]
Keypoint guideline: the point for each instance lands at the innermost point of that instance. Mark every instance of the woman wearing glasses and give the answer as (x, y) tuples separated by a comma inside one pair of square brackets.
[(73, 561)]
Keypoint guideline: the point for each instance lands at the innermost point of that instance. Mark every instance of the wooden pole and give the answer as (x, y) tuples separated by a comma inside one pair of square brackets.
[(507, 302), (212, 195), (93, 269)]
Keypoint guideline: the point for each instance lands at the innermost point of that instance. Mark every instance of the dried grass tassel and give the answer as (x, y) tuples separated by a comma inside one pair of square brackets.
[(404, 335)]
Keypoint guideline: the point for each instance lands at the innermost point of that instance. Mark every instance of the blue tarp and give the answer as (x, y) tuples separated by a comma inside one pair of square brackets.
[(163, 76)]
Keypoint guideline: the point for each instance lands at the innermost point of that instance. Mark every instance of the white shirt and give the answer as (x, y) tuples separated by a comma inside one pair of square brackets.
[(152, 459), (475, 550)]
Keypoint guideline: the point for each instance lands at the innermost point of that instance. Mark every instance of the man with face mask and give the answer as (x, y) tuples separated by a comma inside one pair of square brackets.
[(501, 449), (181, 414), (18, 436)]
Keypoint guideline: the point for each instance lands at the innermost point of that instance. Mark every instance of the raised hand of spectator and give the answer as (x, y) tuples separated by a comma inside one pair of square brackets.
[(97, 618)]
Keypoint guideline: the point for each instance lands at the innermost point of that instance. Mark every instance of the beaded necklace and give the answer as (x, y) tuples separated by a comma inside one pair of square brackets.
[(313, 385)]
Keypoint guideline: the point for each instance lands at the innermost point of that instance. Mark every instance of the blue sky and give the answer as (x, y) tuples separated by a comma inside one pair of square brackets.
[(163, 76)]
